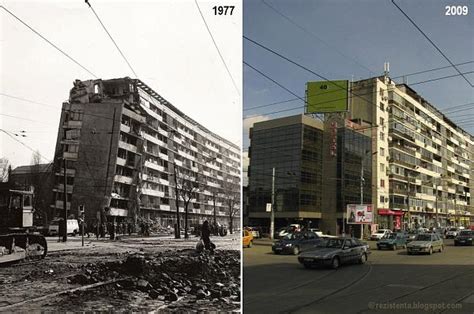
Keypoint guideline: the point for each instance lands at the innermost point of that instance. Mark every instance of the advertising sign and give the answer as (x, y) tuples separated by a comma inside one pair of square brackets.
[(327, 96), (269, 207), (359, 214)]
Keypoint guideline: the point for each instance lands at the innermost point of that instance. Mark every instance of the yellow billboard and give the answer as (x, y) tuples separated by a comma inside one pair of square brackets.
[(327, 96)]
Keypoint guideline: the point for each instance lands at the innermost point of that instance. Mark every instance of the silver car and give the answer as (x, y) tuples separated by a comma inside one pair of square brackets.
[(425, 243), (334, 252)]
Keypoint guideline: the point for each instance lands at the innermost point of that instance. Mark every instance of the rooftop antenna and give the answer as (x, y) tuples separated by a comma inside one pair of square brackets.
[(386, 68)]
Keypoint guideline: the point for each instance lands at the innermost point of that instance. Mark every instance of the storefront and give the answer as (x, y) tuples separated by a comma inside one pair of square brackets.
[(390, 219)]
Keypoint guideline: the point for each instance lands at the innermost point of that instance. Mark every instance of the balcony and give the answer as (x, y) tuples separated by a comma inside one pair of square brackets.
[(154, 166), (163, 156), (133, 115), (123, 179), (120, 212), (124, 128), (59, 205), (154, 140), (60, 188), (70, 156), (71, 124), (127, 146), (153, 192)]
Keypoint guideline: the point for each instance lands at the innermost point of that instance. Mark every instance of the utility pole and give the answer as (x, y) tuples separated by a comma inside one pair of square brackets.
[(65, 201), (177, 231), (214, 202), (272, 213)]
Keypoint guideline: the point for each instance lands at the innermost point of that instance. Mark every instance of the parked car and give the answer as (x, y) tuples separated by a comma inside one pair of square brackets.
[(452, 233), (464, 238), (392, 241), (410, 236), (425, 243), (379, 234), (334, 252), (247, 238), (294, 243), (72, 227)]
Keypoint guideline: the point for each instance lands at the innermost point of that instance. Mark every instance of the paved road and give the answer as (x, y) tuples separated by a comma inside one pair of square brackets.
[(279, 284)]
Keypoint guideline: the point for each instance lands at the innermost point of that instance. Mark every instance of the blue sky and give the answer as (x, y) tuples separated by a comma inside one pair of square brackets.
[(346, 39)]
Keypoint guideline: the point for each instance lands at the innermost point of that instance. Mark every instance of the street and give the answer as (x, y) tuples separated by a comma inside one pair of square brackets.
[(130, 274), (390, 282)]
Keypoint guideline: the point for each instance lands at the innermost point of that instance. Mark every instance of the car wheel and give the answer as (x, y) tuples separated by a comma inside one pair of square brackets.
[(363, 258), (307, 266), (430, 251), (408, 253), (250, 244), (296, 250), (335, 263), (441, 249), (394, 247), (455, 244), (276, 253)]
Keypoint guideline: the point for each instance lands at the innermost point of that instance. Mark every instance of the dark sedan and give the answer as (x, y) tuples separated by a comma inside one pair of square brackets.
[(294, 243), (334, 252), (464, 238)]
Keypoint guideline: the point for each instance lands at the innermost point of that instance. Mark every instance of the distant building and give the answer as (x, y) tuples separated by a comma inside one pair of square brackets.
[(40, 179), (126, 147)]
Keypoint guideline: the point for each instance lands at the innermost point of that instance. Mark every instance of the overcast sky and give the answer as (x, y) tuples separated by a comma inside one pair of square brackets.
[(345, 39), (165, 41)]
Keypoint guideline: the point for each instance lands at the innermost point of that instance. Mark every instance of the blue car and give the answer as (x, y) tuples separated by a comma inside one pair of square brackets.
[(392, 241)]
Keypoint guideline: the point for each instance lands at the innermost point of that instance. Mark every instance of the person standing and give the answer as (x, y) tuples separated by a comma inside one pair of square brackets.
[(205, 235)]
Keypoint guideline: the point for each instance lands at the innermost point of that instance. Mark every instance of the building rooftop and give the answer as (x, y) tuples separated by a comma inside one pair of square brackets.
[(32, 169)]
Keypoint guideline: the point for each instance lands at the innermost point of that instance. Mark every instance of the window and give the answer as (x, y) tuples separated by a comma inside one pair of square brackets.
[(382, 151), (382, 106), (382, 122), (382, 167), (382, 199), (382, 136), (382, 183)]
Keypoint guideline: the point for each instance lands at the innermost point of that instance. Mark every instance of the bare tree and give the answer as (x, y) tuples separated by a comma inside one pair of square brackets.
[(5, 168), (232, 200), (187, 185)]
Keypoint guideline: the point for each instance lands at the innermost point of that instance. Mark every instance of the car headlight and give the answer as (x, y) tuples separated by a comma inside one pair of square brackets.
[(469, 239), (288, 244)]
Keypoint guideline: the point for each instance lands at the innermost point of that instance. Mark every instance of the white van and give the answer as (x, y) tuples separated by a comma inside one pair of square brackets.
[(72, 227)]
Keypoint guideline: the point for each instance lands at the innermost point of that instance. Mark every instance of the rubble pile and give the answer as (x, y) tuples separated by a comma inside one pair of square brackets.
[(171, 276)]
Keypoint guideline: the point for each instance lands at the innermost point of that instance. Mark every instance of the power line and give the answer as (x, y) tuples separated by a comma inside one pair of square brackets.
[(359, 95), (49, 42), (27, 100), (432, 43), (17, 140), (217, 48), (110, 36), (315, 36), (431, 70), (20, 118)]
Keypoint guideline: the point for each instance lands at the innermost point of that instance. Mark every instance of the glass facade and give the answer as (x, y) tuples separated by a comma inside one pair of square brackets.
[(295, 153), (354, 149)]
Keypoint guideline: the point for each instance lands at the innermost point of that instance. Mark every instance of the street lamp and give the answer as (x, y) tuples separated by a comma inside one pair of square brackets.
[(272, 212)]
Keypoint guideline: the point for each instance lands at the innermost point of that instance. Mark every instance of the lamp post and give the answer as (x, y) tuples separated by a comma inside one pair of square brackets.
[(272, 212)]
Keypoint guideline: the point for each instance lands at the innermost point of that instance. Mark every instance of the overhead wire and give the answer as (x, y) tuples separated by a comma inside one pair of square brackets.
[(111, 38), (48, 41), (312, 34), (217, 48), (432, 43)]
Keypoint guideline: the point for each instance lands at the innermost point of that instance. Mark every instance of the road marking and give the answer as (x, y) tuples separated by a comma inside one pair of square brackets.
[(396, 285)]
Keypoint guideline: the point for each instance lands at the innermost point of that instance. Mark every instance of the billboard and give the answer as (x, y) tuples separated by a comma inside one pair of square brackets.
[(359, 214), (327, 96)]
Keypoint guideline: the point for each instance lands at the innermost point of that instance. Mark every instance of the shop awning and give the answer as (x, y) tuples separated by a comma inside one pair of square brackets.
[(386, 211)]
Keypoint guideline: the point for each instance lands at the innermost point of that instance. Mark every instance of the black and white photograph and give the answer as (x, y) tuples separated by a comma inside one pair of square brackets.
[(358, 149), (120, 156)]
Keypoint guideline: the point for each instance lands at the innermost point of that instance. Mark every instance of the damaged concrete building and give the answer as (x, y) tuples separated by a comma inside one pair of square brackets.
[(126, 149)]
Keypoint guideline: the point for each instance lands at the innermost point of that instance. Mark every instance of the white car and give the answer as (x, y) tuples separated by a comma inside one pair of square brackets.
[(452, 233), (379, 234)]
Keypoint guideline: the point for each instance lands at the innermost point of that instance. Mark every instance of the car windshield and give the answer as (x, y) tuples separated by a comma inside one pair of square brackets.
[(391, 236), (54, 223), (453, 229), (423, 237), (293, 236), (466, 233), (334, 243)]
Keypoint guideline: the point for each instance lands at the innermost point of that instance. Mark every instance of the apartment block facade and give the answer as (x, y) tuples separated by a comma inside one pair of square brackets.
[(130, 153), (423, 166)]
